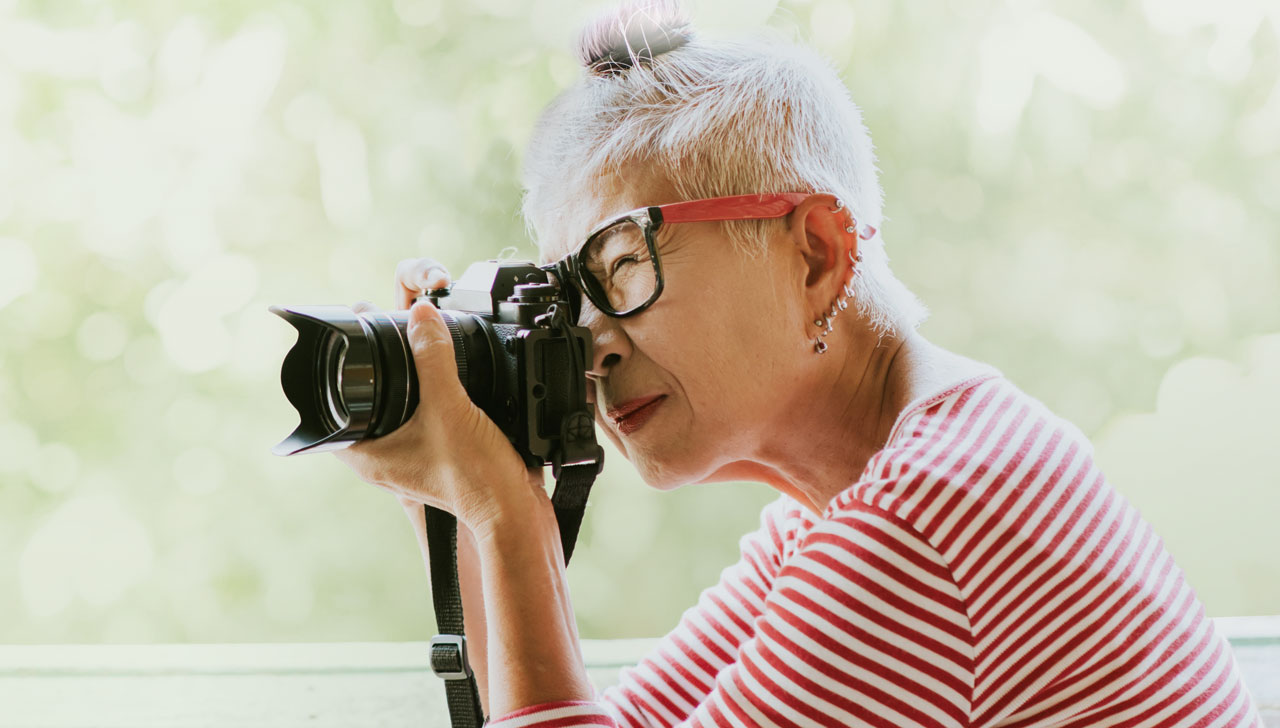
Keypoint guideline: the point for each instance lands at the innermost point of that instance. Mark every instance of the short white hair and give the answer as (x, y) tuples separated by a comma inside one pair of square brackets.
[(713, 118)]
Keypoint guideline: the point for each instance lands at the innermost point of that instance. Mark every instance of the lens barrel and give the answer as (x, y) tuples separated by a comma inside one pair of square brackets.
[(351, 375)]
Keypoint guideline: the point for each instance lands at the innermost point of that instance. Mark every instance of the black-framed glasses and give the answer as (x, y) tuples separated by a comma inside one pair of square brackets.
[(618, 266)]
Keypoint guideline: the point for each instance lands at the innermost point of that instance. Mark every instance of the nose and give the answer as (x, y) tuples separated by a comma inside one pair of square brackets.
[(609, 342)]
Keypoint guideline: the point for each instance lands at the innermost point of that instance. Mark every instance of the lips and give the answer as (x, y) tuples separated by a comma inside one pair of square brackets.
[(619, 413)]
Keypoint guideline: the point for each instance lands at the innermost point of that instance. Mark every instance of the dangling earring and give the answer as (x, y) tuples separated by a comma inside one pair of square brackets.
[(839, 304)]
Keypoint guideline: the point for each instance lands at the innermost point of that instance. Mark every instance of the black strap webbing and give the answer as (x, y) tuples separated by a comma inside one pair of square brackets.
[(449, 648), (573, 485)]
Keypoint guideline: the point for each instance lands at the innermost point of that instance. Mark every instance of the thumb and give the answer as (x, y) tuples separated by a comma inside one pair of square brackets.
[(433, 357)]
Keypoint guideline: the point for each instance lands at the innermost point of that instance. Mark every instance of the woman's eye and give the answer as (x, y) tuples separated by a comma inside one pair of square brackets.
[(622, 261)]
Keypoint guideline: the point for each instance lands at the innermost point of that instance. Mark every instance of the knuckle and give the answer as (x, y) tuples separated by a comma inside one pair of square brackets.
[(404, 269), (422, 265), (421, 347)]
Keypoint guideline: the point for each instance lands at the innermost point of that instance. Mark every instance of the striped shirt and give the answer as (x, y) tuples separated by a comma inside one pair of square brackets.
[(981, 572)]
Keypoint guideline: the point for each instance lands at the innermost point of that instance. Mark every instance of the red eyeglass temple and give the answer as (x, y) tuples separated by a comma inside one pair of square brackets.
[(741, 207)]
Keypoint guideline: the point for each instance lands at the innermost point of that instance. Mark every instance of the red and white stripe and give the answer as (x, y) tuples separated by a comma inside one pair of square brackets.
[(981, 572)]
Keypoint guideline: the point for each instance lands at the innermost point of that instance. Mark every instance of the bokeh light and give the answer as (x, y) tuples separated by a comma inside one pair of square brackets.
[(1086, 194)]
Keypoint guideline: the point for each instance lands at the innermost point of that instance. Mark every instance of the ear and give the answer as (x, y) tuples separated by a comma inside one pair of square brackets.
[(819, 228)]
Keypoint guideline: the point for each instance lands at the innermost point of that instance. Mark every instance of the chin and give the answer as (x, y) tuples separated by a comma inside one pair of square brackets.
[(665, 485), (664, 474)]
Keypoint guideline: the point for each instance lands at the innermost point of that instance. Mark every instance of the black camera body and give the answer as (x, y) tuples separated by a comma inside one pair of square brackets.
[(519, 354)]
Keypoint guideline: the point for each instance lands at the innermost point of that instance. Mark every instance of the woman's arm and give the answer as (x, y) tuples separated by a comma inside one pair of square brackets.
[(470, 586), (862, 626), (682, 668), (533, 654), (515, 597)]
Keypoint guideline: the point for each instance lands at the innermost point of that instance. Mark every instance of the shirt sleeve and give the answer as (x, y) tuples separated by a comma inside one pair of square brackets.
[(862, 626)]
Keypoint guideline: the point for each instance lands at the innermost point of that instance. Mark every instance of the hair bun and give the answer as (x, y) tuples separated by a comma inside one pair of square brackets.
[(633, 33)]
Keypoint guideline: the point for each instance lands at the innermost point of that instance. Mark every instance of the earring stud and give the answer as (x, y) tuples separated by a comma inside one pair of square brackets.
[(838, 305)]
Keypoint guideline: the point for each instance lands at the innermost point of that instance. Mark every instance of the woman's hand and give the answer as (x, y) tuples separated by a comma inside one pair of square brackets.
[(449, 454)]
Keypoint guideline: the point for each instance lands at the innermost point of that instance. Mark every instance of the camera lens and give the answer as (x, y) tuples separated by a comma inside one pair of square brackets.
[(351, 375), (333, 361)]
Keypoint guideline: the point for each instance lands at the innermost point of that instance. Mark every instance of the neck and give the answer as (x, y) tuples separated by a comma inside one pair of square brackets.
[(841, 418)]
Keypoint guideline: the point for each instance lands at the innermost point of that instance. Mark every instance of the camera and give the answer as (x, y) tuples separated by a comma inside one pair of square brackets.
[(520, 355)]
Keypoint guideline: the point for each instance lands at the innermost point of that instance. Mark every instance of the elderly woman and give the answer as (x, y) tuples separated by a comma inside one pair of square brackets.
[(944, 551)]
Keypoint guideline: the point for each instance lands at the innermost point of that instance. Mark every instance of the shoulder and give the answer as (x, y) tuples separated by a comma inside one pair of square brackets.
[(969, 445), (884, 547), (874, 584)]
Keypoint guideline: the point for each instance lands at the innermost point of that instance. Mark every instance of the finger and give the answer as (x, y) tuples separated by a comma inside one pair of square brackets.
[(363, 306), (415, 275), (433, 357)]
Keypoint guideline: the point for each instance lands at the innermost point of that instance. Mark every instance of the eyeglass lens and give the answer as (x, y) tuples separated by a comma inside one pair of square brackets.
[(617, 260)]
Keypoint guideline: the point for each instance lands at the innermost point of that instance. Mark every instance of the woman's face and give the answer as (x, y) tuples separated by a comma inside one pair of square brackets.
[(722, 345)]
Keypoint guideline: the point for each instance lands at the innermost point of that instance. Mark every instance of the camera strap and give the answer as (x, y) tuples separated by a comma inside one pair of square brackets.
[(449, 647), (575, 464)]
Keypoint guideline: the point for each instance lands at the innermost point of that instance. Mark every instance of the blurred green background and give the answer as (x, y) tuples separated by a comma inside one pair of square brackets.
[(1086, 194)]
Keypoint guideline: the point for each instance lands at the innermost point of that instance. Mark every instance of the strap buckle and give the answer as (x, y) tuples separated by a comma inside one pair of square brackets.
[(449, 657), (578, 446)]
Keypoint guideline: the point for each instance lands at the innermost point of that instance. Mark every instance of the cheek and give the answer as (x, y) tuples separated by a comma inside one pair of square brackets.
[(756, 359), (726, 329), (722, 338), (716, 359), (691, 340)]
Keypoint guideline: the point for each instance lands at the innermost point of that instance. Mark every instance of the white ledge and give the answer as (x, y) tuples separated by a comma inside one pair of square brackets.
[(341, 683)]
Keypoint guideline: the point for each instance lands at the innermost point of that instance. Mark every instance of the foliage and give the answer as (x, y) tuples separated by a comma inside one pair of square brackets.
[(1085, 194)]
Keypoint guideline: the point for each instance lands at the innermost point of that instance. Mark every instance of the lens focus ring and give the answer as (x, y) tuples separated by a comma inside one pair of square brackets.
[(393, 404)]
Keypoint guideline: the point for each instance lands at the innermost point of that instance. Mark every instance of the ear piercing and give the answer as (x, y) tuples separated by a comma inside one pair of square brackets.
[(840, 304)]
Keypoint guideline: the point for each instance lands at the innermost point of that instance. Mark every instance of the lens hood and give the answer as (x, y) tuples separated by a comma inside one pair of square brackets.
[(328, 376)]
